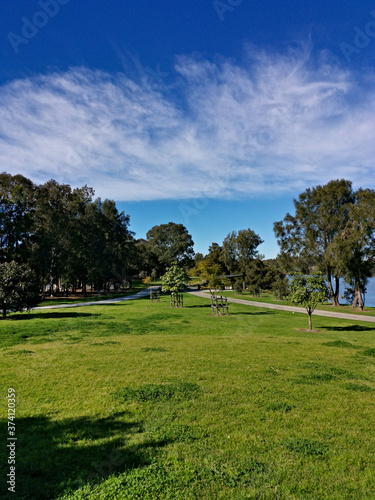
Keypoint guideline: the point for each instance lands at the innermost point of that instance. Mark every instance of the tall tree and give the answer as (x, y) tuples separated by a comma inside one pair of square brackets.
[(306, 238), (103, 244), (168, 243), (216, 255), (240, 249), (354, 246), (17, 205), (52, 225)]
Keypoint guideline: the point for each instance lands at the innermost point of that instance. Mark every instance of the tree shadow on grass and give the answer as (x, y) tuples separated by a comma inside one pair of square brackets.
[(53, 457), (350, 328), (200, 305), (252, 313), (52, 315)]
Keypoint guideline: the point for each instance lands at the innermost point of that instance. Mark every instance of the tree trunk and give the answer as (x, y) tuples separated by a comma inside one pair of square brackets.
[(310, 321), (358, 300), (337, 289), (51, 286), (334, 293), (51, 273), (4, 312)]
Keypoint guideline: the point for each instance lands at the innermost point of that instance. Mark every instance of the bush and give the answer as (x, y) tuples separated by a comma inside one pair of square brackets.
[(280, 287), (19, 289), (238, 286)]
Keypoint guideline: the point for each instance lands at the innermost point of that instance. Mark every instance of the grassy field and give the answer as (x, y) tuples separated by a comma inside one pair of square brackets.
[(137, 400), (270, 298)]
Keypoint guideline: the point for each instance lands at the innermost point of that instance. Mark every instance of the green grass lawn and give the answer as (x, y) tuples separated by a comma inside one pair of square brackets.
[(138, 400), (270, 298)]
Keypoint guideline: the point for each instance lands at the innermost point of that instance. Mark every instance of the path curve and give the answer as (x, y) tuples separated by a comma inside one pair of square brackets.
[(329, 314), (142, 293)]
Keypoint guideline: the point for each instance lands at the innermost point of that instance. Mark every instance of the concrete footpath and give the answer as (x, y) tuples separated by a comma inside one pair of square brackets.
[(328, 314), (143, 293)]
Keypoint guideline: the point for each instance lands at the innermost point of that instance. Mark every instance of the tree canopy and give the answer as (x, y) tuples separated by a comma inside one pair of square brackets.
[(354, 247), (65, 236), (209, 274), (18, 287), (174, 278), (168, 243), (240, 249), (332, 231)]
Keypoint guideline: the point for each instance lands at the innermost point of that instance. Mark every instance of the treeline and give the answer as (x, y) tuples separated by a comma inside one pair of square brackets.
[(66, 237), (70, 241), (238, 258)]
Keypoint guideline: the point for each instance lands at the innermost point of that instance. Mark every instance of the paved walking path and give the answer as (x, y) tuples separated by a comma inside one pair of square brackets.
[(329, 314), (207, 295), (143, 293)]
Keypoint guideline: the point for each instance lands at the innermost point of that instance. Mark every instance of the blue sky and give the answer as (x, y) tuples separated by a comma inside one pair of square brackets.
[(214, 113)]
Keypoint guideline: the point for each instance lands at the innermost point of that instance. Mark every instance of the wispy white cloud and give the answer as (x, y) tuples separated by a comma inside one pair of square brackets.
[(274, 123)]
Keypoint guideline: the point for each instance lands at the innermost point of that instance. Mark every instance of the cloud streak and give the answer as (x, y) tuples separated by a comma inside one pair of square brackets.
[(275, 122)]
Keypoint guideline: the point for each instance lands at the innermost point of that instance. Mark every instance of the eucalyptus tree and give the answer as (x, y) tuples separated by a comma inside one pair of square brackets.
[(307, 239), (355, 245), (56, 227), (239, 250), (17, 206), (168, 243), (216, 255)]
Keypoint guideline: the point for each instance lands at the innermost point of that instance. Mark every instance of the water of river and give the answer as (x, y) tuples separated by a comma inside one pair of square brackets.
[(369, 296)]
